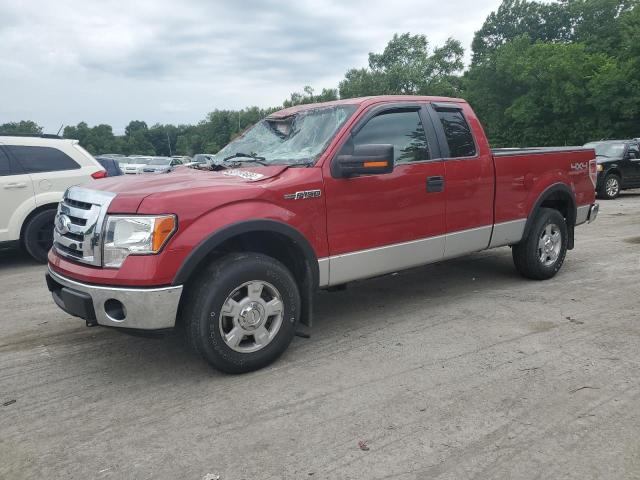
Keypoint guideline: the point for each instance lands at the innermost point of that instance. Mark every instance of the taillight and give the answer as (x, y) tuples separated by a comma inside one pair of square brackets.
[(99, 174), (593, 172)]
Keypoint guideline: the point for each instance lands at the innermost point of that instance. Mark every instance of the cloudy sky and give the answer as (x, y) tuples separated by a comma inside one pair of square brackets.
[(174, 61)]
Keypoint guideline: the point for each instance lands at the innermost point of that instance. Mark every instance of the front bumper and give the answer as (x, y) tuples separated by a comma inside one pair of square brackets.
[(135, 308)]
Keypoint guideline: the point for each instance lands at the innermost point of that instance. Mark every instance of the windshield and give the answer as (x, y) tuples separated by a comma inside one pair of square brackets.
[(615, 150), (160, 161), (297, 139)]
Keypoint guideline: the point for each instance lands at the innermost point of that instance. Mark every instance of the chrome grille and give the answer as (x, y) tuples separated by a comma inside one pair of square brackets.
[(78, 224)]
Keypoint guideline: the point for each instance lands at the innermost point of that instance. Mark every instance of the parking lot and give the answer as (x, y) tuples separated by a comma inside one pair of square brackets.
[(456, 370)]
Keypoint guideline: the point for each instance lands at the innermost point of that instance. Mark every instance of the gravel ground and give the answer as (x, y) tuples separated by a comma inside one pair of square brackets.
[(456, 370)]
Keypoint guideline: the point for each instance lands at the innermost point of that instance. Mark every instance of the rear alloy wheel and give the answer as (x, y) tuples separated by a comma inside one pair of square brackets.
[(38, 235), (611, 187), (241, 312), (540, 255)]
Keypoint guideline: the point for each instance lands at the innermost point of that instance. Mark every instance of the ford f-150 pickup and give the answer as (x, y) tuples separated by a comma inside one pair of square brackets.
[(311, 197)]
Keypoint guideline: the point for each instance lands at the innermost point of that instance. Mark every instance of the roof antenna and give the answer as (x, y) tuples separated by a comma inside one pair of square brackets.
[(58, 134)]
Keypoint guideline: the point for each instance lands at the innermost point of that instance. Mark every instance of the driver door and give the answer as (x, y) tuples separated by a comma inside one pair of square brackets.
[(381, 223)]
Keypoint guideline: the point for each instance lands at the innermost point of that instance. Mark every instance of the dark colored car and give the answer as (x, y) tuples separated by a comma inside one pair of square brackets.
[(111, 165), (618, 166)]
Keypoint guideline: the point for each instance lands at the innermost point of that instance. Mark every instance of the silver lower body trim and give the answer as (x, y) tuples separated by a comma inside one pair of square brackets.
[(323, 266), (507, 233), (372, 262), (145, 308), (389, 258), (467, 241)]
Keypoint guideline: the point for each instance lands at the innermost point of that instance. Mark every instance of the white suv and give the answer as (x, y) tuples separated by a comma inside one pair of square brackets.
[(35, 171)]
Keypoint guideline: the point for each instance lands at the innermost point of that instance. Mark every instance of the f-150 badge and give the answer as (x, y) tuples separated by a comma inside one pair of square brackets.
[(302, 195)]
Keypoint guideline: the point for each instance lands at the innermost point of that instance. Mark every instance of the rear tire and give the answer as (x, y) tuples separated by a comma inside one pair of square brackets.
[(610, 187), (37, 236), (241, 312), (540, 255)]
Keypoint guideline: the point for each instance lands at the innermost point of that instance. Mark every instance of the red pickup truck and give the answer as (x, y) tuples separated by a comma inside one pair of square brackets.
[(312, 197)]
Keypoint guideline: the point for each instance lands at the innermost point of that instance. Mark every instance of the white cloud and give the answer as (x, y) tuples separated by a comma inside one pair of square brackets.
[(172, 62)]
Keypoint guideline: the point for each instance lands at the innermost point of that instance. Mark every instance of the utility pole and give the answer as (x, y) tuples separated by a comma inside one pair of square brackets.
[(169, 142)]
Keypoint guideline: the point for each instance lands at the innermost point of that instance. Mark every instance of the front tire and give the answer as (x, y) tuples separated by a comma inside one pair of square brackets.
[(540, 255), (38, 235), (242, 311), (610, 187)]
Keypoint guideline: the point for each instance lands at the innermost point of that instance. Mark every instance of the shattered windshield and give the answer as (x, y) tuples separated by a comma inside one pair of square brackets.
[(294, 140)]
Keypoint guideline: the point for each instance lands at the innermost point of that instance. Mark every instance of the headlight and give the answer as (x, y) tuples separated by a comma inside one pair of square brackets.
[(600, 167), (135, 235)]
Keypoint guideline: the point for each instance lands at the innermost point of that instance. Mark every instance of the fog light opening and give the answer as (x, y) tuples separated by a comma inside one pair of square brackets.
[(115, 310)]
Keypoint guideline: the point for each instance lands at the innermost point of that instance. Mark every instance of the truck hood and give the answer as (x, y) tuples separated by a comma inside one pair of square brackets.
[(130, 191)]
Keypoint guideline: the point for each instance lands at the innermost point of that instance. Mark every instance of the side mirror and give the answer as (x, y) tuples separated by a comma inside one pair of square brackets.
[(365, 160)]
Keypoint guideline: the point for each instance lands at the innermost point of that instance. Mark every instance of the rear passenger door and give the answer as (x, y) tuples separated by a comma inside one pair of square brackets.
[(469, 173), (16, 197), (50, 169), (382, 223)]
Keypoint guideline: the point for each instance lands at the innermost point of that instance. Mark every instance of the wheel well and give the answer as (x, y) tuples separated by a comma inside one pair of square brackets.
[(614, 171), (278, 246), (561, 200), (41, 208), (563, 203)]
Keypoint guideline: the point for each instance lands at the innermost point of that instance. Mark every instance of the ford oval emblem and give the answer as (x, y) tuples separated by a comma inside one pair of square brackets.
[(62, 224)]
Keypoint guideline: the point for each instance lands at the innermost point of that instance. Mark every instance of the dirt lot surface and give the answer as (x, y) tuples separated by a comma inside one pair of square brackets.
[(456, 370)]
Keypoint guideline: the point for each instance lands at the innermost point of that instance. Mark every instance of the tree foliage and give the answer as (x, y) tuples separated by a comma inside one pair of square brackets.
[(22, 127), (575, 82), (408, 67)]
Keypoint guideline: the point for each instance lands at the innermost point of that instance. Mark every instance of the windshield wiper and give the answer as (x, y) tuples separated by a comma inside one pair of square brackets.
[(250, 158)]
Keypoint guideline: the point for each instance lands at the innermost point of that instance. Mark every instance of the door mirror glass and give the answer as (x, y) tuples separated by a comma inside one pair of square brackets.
[(365, 160)]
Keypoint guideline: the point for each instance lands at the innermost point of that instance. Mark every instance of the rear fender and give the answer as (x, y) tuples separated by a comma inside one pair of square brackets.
[(558, 192)]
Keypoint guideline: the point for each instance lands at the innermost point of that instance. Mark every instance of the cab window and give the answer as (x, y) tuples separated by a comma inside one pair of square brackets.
[(458, 133), (401, 128)]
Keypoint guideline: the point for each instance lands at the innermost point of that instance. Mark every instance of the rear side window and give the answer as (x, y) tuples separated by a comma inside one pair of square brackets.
[(41, 159), (402, 129), (458, 133), (5, 169)]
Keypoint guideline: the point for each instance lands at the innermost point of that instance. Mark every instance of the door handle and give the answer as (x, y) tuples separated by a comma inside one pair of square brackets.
[(13, 185), (435, 184)]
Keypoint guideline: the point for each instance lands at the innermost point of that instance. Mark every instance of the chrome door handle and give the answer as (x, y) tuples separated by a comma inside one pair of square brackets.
[(10, 186)]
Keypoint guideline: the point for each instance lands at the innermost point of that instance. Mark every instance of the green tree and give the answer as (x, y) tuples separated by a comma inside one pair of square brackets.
[(308, 96), (408, 67), (21, 127), (596, 23), (540, 93)]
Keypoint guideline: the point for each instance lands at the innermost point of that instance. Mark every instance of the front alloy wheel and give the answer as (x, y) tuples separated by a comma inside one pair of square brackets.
[(251, 316), (241, 312)]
